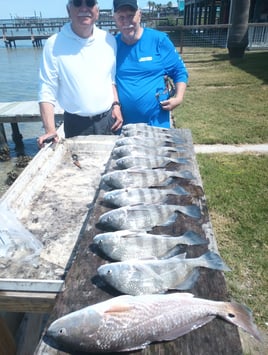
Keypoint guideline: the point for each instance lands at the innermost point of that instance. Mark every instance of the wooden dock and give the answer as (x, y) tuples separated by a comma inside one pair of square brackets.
[(14, 113), (38, 30), (10, 41)]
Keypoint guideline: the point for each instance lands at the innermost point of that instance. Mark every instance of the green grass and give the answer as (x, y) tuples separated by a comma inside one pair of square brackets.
[(228, 103), (225, 102), (236, 189)]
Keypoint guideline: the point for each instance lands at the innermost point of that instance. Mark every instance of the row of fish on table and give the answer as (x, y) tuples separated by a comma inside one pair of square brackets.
[(150, 270)]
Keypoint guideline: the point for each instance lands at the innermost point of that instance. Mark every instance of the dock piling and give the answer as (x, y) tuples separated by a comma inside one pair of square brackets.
[(4, 149)]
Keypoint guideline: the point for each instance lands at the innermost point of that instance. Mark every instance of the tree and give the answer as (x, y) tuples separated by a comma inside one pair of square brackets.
[(237, 40), (169, 4)]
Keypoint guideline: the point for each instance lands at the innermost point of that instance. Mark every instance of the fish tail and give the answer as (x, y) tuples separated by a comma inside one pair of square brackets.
[(180, 191), (212, 260), (192, 238), (185, 174), (241, 316)]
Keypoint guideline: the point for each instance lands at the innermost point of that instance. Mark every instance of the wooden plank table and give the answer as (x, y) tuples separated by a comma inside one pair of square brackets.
[(20, 111), (23, 111), (83, 288)]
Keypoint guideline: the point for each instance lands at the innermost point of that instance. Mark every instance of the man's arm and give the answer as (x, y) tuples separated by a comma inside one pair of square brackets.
[(47, 115), (117, 115)]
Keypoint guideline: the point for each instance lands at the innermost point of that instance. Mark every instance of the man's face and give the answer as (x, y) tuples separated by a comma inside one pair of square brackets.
[(83, 15), (127, 21)]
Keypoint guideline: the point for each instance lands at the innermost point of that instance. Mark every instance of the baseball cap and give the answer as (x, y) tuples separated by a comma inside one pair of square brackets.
[(120, 3)]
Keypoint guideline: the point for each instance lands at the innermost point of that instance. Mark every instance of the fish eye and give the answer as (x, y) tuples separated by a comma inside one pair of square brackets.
[(62, 331), (109, 272), (231, 315)]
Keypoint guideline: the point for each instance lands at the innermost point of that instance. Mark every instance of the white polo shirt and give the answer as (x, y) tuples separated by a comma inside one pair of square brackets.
[(79, 72)]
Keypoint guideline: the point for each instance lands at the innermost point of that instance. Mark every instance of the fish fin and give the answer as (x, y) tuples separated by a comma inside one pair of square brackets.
[(173, 252), (212, 260), (119, 308), (241, 316), (167, 182), (180, 256), (171, 220), (185, 174), (181, 161), (192, 238), (136, 169), (180, 191), (191, 210), (189, 282), (134, 348), (175, 333)]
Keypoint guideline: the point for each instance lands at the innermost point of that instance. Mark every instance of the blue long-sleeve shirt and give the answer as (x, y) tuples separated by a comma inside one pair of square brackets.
[(140, 72)]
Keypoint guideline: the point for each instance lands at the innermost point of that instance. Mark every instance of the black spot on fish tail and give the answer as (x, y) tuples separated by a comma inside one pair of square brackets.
[(241, 316)]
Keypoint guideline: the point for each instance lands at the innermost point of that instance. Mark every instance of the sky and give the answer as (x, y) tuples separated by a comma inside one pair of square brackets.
[(49, 8)]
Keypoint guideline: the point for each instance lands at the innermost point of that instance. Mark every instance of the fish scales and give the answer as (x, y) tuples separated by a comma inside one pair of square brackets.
[(149, 141), (127, 244), (143, 129), (148, 162), (142, 177), (144, 151), (128, 323), (145, 216), (132, 196), (172, 135), (143, 126), (137, 277)]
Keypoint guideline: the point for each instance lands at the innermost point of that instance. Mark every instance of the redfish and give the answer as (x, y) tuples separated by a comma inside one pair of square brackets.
[(128, 323)]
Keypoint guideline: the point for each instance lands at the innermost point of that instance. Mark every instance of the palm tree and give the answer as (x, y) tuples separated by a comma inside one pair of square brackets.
[(169, 4), (238, 34)]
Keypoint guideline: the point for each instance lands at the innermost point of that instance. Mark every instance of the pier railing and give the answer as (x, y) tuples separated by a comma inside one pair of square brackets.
[(216, 35)]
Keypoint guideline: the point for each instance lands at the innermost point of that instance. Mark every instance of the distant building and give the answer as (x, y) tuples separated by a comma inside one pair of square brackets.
[(210, 12)]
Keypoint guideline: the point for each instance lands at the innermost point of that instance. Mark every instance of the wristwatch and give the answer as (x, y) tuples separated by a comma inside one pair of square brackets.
[(116, 103)]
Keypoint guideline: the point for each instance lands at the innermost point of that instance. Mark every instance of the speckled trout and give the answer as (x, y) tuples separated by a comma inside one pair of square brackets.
[(128, 323)]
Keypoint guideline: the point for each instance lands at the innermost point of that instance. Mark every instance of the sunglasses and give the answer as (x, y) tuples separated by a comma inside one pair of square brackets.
[(89, 3)]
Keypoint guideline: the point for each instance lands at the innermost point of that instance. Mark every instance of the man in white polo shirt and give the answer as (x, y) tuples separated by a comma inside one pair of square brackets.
[(78, 70)]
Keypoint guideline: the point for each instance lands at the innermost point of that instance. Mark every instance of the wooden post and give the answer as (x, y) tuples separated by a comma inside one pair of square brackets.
[(4, 149), (17, 136), (7, 342)]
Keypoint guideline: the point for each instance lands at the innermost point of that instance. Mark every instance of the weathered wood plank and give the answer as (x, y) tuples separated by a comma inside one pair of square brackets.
[(30, 285), (23, 111), (7, 342), (32, 325), (33, 302), (83, 288)]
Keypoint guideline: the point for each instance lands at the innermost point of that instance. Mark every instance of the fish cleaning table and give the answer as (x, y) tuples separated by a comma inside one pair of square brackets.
[(51, 198), (83, 289)]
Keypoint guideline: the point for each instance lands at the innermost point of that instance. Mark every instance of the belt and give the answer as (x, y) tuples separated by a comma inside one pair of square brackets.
[(91, 118), (99, 116)]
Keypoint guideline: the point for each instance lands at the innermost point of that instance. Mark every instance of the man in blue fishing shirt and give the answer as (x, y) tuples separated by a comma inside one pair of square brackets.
[(146, 58)]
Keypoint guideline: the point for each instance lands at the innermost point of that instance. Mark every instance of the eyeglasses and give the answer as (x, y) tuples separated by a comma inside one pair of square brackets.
[(168, 92), (78, 3)]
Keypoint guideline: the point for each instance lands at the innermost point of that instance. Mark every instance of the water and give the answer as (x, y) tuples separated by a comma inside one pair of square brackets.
[(19, 82)]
